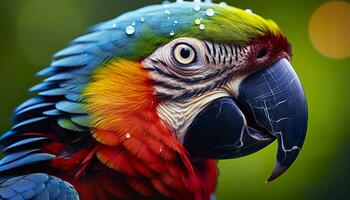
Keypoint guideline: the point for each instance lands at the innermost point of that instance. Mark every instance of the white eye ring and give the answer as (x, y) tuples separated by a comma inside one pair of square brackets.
[(184, 54)]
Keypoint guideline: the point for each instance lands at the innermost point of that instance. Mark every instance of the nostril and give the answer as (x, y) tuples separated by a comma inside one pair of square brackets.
[(262, 53)]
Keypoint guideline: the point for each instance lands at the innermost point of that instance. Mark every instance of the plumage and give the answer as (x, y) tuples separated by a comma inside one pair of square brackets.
[(36, 186)]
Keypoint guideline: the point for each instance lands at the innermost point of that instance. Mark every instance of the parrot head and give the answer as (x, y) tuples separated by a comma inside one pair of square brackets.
[(220, 77), (190, 81)]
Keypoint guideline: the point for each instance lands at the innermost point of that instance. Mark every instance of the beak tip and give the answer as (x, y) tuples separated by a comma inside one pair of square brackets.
[(277, 171)]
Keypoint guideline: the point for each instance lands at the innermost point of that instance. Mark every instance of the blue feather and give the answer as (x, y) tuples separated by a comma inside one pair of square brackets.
[(24, 142), (23, 185), (59, 77), (46, 71), (37, 178), (75, 88), (88, 38), (14, 156), (73, 97), (73, 61), (70, 107), (7, 134), (7, 193), (29, 102), (41, 86), (53, 92), (34, 107), (28, 122), (75, 81), (53, 112), (32, 158), (70, 51), (37, 186)]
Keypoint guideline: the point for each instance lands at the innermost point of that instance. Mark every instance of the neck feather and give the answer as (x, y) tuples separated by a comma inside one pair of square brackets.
[(133, 141)]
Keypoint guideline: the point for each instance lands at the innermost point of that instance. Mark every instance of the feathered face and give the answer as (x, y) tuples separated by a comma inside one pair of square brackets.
[(189, 73), (206, 87)]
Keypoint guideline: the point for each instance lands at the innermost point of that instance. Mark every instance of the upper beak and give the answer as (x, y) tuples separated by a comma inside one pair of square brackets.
[(270, 105)]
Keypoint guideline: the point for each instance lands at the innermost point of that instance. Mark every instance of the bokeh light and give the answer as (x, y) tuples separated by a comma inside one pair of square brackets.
[(329, 29)]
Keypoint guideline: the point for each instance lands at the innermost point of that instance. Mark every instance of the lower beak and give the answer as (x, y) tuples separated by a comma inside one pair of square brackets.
[(270, 105)]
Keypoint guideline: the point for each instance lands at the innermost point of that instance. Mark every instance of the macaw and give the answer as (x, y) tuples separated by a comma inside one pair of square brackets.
[(143, 106)]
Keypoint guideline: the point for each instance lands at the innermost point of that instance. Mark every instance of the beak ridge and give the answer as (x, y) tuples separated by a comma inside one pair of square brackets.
[(276, 98)]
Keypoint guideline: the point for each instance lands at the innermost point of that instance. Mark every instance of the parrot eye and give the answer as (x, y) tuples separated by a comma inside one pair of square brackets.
[(184, 54)]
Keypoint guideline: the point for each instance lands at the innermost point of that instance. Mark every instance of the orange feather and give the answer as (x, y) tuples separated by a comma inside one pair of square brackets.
[(132, 139)]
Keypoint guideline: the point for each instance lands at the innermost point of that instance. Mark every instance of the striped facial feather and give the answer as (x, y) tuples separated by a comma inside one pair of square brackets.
[(214, 66)]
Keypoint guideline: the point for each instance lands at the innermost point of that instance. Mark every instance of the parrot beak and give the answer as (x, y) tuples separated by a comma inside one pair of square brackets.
[(270, 105)]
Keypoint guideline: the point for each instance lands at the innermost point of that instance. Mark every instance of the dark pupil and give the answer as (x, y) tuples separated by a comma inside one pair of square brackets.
[(185, 52), (262, 53)]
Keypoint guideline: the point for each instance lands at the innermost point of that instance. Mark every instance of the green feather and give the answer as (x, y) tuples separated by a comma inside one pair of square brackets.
[(69, 125), (227, 25)]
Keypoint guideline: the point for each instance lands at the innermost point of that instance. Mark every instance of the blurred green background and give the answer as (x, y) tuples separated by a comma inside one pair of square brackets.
[(32, 30)]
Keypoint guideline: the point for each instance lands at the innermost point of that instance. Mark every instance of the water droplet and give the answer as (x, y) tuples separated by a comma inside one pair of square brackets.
[(210, 12), (201, 26), (142, 19), (133, 23), (196, 7), (197, 21), (248, 11), (172, 33), (223, 4), (167, 12), (127, 135), (161, 149), (114, 25), (175, 22), (130, 30)]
